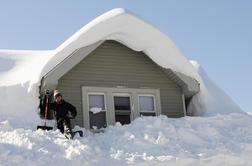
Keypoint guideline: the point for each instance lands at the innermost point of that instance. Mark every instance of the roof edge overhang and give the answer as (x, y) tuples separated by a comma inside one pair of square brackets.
[(50, 80), (189, 85)]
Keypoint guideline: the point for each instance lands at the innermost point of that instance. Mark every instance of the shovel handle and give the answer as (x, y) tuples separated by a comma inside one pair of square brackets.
[(46, 109)]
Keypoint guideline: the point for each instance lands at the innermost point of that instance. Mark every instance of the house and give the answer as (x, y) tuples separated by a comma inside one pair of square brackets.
[(119, 67)]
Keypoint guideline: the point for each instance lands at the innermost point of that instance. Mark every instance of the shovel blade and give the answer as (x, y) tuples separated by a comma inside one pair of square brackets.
[(80, 133), (44, 127)]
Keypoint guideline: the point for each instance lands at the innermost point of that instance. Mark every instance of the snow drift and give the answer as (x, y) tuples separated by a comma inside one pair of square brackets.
[(211, 99), (20, 78), (19, 81), (220, 140)]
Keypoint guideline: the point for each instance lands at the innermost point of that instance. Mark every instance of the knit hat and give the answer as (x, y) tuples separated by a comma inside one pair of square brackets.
[(56, 93)]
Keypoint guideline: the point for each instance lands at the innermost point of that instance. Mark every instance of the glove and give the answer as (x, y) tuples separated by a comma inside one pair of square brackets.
[(71, 115)]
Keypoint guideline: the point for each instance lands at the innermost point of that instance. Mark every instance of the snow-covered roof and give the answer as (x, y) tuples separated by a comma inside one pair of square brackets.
[(21, 66), (117, 24), (123, 26)]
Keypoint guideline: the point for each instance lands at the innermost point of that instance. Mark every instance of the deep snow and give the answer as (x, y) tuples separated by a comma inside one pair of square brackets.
[(211, 99), (219, 140), (222, 137)]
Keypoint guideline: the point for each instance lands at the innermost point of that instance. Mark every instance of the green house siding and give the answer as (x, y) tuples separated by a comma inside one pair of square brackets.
[(113, 64)]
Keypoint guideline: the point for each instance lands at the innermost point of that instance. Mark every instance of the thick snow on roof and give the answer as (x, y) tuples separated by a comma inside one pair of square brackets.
[(123, 26), (117, 24), (18, 66)]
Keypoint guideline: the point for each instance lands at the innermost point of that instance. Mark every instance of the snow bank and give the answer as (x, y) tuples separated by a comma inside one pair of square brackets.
[(19, 82), (220, 140), (19, 106), (211, 99)]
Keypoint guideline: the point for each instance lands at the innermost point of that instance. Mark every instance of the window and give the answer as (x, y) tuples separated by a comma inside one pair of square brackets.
[(147, 105), (122, 109), (96, 101), (122, 103), (97, 114)]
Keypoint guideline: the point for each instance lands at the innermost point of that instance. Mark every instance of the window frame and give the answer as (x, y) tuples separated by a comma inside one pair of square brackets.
[(104, 101), (154, 102), (109, 92)]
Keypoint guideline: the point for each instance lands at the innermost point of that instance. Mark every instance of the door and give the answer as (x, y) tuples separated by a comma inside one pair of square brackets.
[(122, 107)]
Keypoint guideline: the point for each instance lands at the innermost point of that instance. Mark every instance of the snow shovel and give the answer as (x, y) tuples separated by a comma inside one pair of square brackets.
[(73, 133), (46, 109), (79, 132)]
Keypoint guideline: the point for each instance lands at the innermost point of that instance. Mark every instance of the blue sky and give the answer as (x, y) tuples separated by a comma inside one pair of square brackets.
[(218, 34)]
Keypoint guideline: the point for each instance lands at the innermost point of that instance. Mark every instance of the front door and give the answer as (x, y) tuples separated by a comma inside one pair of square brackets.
[(122, 107)]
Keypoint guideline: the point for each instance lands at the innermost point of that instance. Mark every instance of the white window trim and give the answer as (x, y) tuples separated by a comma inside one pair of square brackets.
[(105, 106), (97, 93), (109, 92), (122, 94), (155, 106)]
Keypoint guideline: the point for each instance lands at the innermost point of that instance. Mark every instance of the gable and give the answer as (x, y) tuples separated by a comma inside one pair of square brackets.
[(114, 62), (189, 85)]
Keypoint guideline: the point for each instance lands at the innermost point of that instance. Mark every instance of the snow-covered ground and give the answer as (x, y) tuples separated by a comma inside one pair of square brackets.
[(218, 140)]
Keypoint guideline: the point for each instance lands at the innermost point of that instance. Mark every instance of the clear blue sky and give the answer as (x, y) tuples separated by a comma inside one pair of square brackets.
[(218, 34)]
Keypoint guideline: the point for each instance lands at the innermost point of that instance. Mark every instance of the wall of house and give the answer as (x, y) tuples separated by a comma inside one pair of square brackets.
[(113, 64)]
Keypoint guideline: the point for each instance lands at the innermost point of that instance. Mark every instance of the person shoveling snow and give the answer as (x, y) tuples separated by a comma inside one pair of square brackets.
[(63, 113)]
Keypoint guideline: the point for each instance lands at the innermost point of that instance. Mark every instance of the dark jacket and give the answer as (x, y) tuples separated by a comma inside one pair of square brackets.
[(61, 110)]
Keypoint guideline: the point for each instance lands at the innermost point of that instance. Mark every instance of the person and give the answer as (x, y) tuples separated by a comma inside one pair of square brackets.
[(61, 110)]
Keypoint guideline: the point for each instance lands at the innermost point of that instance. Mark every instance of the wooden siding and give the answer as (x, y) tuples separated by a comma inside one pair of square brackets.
[(113, 64)]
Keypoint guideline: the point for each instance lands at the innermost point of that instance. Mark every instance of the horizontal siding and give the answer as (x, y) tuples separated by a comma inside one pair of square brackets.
[(112, 64)]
